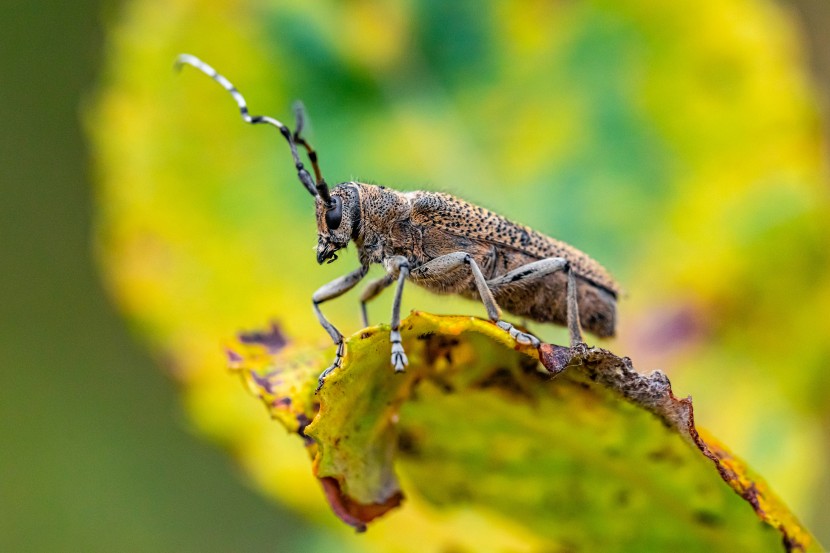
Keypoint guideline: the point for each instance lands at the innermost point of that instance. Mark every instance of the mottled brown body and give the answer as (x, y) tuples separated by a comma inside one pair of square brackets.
[(422, 226)]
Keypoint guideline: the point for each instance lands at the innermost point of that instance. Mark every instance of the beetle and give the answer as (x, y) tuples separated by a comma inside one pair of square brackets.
[(443, 244)]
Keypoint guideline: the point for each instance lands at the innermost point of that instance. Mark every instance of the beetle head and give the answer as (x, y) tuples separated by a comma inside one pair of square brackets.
[(338, 221)]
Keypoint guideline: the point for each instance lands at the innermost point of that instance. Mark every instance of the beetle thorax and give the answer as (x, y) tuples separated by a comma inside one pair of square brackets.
[(384, 214)]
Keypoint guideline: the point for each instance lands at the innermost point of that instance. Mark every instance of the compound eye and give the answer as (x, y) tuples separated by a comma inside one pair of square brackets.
[(335, 215)]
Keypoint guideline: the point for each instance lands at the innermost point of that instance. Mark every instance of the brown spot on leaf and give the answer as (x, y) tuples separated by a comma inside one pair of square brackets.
[(438, 346), (622, 498), (273, 339), (708, 518), (234, 359), (262, 381), (665, 455), (408, 444), (503, 379), (303, 421)]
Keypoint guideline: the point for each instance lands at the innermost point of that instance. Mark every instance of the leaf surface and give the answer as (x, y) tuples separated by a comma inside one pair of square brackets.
[(580, 449)]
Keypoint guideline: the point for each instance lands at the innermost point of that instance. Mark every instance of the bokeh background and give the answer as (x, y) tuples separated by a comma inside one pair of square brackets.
[(682, 145)]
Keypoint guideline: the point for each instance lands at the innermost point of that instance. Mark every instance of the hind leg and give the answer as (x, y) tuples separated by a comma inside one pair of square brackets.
[(441, 266), (534, 271)]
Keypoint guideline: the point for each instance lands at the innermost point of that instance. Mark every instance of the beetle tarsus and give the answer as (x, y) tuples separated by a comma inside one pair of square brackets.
[(399, 359), (523, 338)]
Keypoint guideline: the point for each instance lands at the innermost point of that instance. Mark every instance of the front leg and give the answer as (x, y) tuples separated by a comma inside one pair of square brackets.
[(333, 289), (400, 265)]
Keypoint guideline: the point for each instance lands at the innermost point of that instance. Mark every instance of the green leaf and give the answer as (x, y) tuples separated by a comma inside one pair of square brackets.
[(580, 450)]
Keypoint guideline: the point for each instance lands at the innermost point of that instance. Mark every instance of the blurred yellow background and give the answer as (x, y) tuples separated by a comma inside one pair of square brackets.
[(682, 145)]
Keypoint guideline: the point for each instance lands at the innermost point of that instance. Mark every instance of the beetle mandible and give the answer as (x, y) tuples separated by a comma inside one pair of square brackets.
[(445, 245)]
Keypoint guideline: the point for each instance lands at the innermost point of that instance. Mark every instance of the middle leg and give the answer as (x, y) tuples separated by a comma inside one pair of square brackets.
[(400, 265), (373, 290)]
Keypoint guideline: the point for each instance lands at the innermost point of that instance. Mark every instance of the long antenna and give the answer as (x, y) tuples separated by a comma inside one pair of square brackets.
[(300, 118), (320, 188)]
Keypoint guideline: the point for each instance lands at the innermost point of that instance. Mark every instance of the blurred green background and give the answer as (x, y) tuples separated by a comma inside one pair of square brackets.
[(683, 146), (96, 454)]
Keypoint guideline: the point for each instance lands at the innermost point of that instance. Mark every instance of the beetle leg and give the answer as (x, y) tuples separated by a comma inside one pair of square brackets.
[(541, 268), (530, 272), (493, 310), (450, 262), (400, 265), (573, 310), (333, 289), (522, 337), (373, 290)]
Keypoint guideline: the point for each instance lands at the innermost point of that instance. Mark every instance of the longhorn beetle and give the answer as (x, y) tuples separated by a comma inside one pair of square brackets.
[(445, 245)]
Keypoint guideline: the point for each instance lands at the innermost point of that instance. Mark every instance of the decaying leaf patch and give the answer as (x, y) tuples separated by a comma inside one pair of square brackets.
[(573, 444)]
